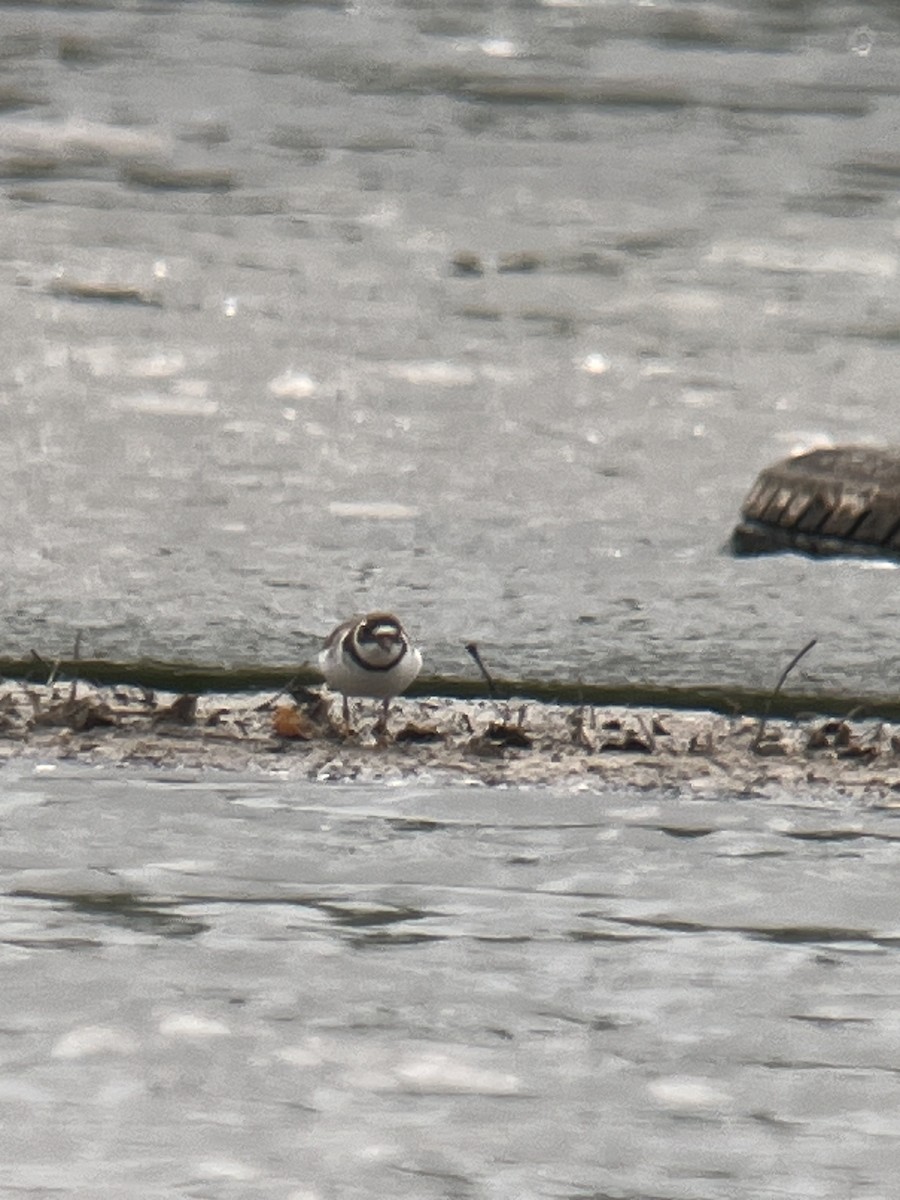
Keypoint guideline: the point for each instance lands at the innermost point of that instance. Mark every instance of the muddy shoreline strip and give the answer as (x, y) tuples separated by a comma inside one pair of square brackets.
[(486, 742)]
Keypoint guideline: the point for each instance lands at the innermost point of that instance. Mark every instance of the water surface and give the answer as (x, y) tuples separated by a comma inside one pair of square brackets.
[(259, 988), (300, 400)]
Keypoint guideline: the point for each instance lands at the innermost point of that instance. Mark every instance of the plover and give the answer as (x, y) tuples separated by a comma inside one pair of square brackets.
[(370, 656)]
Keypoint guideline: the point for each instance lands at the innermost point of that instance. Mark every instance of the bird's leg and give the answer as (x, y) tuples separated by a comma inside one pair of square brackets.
[(345, 711), (382, 723)]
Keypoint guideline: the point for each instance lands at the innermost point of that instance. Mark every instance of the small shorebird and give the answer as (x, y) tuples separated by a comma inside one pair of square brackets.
[(370, 656)]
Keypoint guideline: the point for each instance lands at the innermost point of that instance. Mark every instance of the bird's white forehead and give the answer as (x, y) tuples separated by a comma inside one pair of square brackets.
[(383, 627)]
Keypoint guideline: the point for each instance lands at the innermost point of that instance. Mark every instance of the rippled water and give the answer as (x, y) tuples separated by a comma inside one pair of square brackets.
[(303, 401), (252, 988)]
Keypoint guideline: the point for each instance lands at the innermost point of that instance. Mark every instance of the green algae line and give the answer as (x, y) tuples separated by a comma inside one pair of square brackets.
[(192, 677)]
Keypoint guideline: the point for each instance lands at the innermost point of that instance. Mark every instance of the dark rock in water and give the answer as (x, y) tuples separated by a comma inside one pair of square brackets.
[(837, 501), (464, 262)]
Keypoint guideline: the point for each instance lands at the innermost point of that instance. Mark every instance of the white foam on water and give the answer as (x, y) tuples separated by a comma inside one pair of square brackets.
[(159, 365), (78, 137), (812, 260), (226, 1168), (86, 1041), (433, 374), (293, 385), (158, 404), (685, 1093), (595, 364), (191, 1027), (375, 510), (435, 1072), (499, 48)]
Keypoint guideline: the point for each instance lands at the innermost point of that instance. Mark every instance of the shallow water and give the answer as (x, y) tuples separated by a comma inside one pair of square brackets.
[(306, 409), (251, 987)]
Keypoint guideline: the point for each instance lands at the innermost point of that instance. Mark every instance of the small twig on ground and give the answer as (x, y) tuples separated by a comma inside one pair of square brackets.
[(876, 734), (298, 692), (761, 727), (647, 731), (472, 651), (579, 732), (51, 669), (269, 704)]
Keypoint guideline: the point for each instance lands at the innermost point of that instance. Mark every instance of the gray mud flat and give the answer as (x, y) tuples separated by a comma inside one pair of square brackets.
[(483, 742)]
